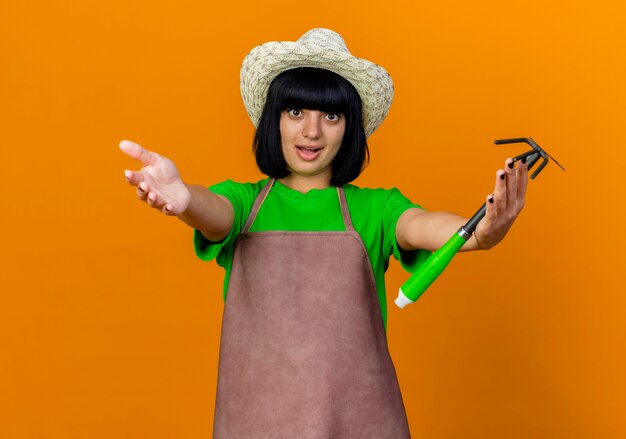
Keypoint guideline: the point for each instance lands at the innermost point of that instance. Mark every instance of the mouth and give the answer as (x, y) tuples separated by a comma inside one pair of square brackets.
[(308, 153)]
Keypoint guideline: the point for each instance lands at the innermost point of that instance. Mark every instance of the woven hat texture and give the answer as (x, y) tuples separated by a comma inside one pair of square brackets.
[(324, 49)]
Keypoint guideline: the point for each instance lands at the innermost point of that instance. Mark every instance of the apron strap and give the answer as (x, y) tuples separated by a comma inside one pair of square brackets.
[(257, 204), (345, 212)]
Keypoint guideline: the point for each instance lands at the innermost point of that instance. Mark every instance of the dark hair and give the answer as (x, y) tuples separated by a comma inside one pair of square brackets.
[(312, 89)]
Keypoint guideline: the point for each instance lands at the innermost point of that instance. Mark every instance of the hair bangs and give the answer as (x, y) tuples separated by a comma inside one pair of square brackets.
[(314, 89)]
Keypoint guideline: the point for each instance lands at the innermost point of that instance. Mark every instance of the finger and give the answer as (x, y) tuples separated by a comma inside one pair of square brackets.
[(133, 178), (138, 152), (490, 212), (151, 199), (499, 193), (485, 225), (511, 183), (522, 184), (142, 191), (155, 201), (168, 209)]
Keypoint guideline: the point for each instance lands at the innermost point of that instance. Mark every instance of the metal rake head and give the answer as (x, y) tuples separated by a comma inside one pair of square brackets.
[(533, 155)]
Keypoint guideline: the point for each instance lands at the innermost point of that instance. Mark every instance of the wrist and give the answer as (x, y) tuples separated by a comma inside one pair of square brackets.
[(181, 201), (474, 244)]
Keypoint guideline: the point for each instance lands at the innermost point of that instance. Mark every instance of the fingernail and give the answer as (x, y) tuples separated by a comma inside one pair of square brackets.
[(511, 165), (141, 188), (491, 200), (501, 176), (127, 174), (524, 160)]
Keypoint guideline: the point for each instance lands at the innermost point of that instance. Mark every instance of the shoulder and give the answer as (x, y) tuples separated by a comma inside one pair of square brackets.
[(383, 204), (365, 195), (235, 186), (236, 190), (241, 195)]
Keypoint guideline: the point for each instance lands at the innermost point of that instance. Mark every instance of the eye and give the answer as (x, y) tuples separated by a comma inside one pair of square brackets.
[(293, 112), (332, 116)]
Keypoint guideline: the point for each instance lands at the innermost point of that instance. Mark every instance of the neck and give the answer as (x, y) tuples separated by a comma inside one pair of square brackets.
[(305, 184)]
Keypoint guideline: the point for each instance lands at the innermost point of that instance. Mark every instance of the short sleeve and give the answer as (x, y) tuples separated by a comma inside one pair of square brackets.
[(241, 196), (395, 205)]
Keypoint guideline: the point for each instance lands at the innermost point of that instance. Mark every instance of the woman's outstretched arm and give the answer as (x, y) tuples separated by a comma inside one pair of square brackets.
[(419, 229), (159, 185)]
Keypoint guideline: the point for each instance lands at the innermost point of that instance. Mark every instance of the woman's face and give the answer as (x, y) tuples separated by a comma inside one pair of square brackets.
[(310, 141)]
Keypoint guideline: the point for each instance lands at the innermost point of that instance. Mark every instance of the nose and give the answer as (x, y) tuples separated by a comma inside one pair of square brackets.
[(311, 127)]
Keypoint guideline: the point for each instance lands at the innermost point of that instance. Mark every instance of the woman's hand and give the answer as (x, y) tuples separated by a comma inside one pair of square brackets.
[(504, 205), (158, 181)]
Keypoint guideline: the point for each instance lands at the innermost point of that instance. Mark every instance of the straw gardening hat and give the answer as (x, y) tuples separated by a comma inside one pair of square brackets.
[(324, 49)]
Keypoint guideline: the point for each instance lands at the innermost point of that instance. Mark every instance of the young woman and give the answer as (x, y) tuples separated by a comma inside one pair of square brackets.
[(303, 351)]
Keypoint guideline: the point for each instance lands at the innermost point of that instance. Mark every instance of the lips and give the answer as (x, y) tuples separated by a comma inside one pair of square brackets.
[(309, 153)]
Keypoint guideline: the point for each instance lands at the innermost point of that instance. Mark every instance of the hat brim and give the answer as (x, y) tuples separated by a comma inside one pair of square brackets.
[(267, 61)]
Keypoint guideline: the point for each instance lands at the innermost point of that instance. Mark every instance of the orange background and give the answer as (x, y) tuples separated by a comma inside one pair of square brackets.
[(109, 324)]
